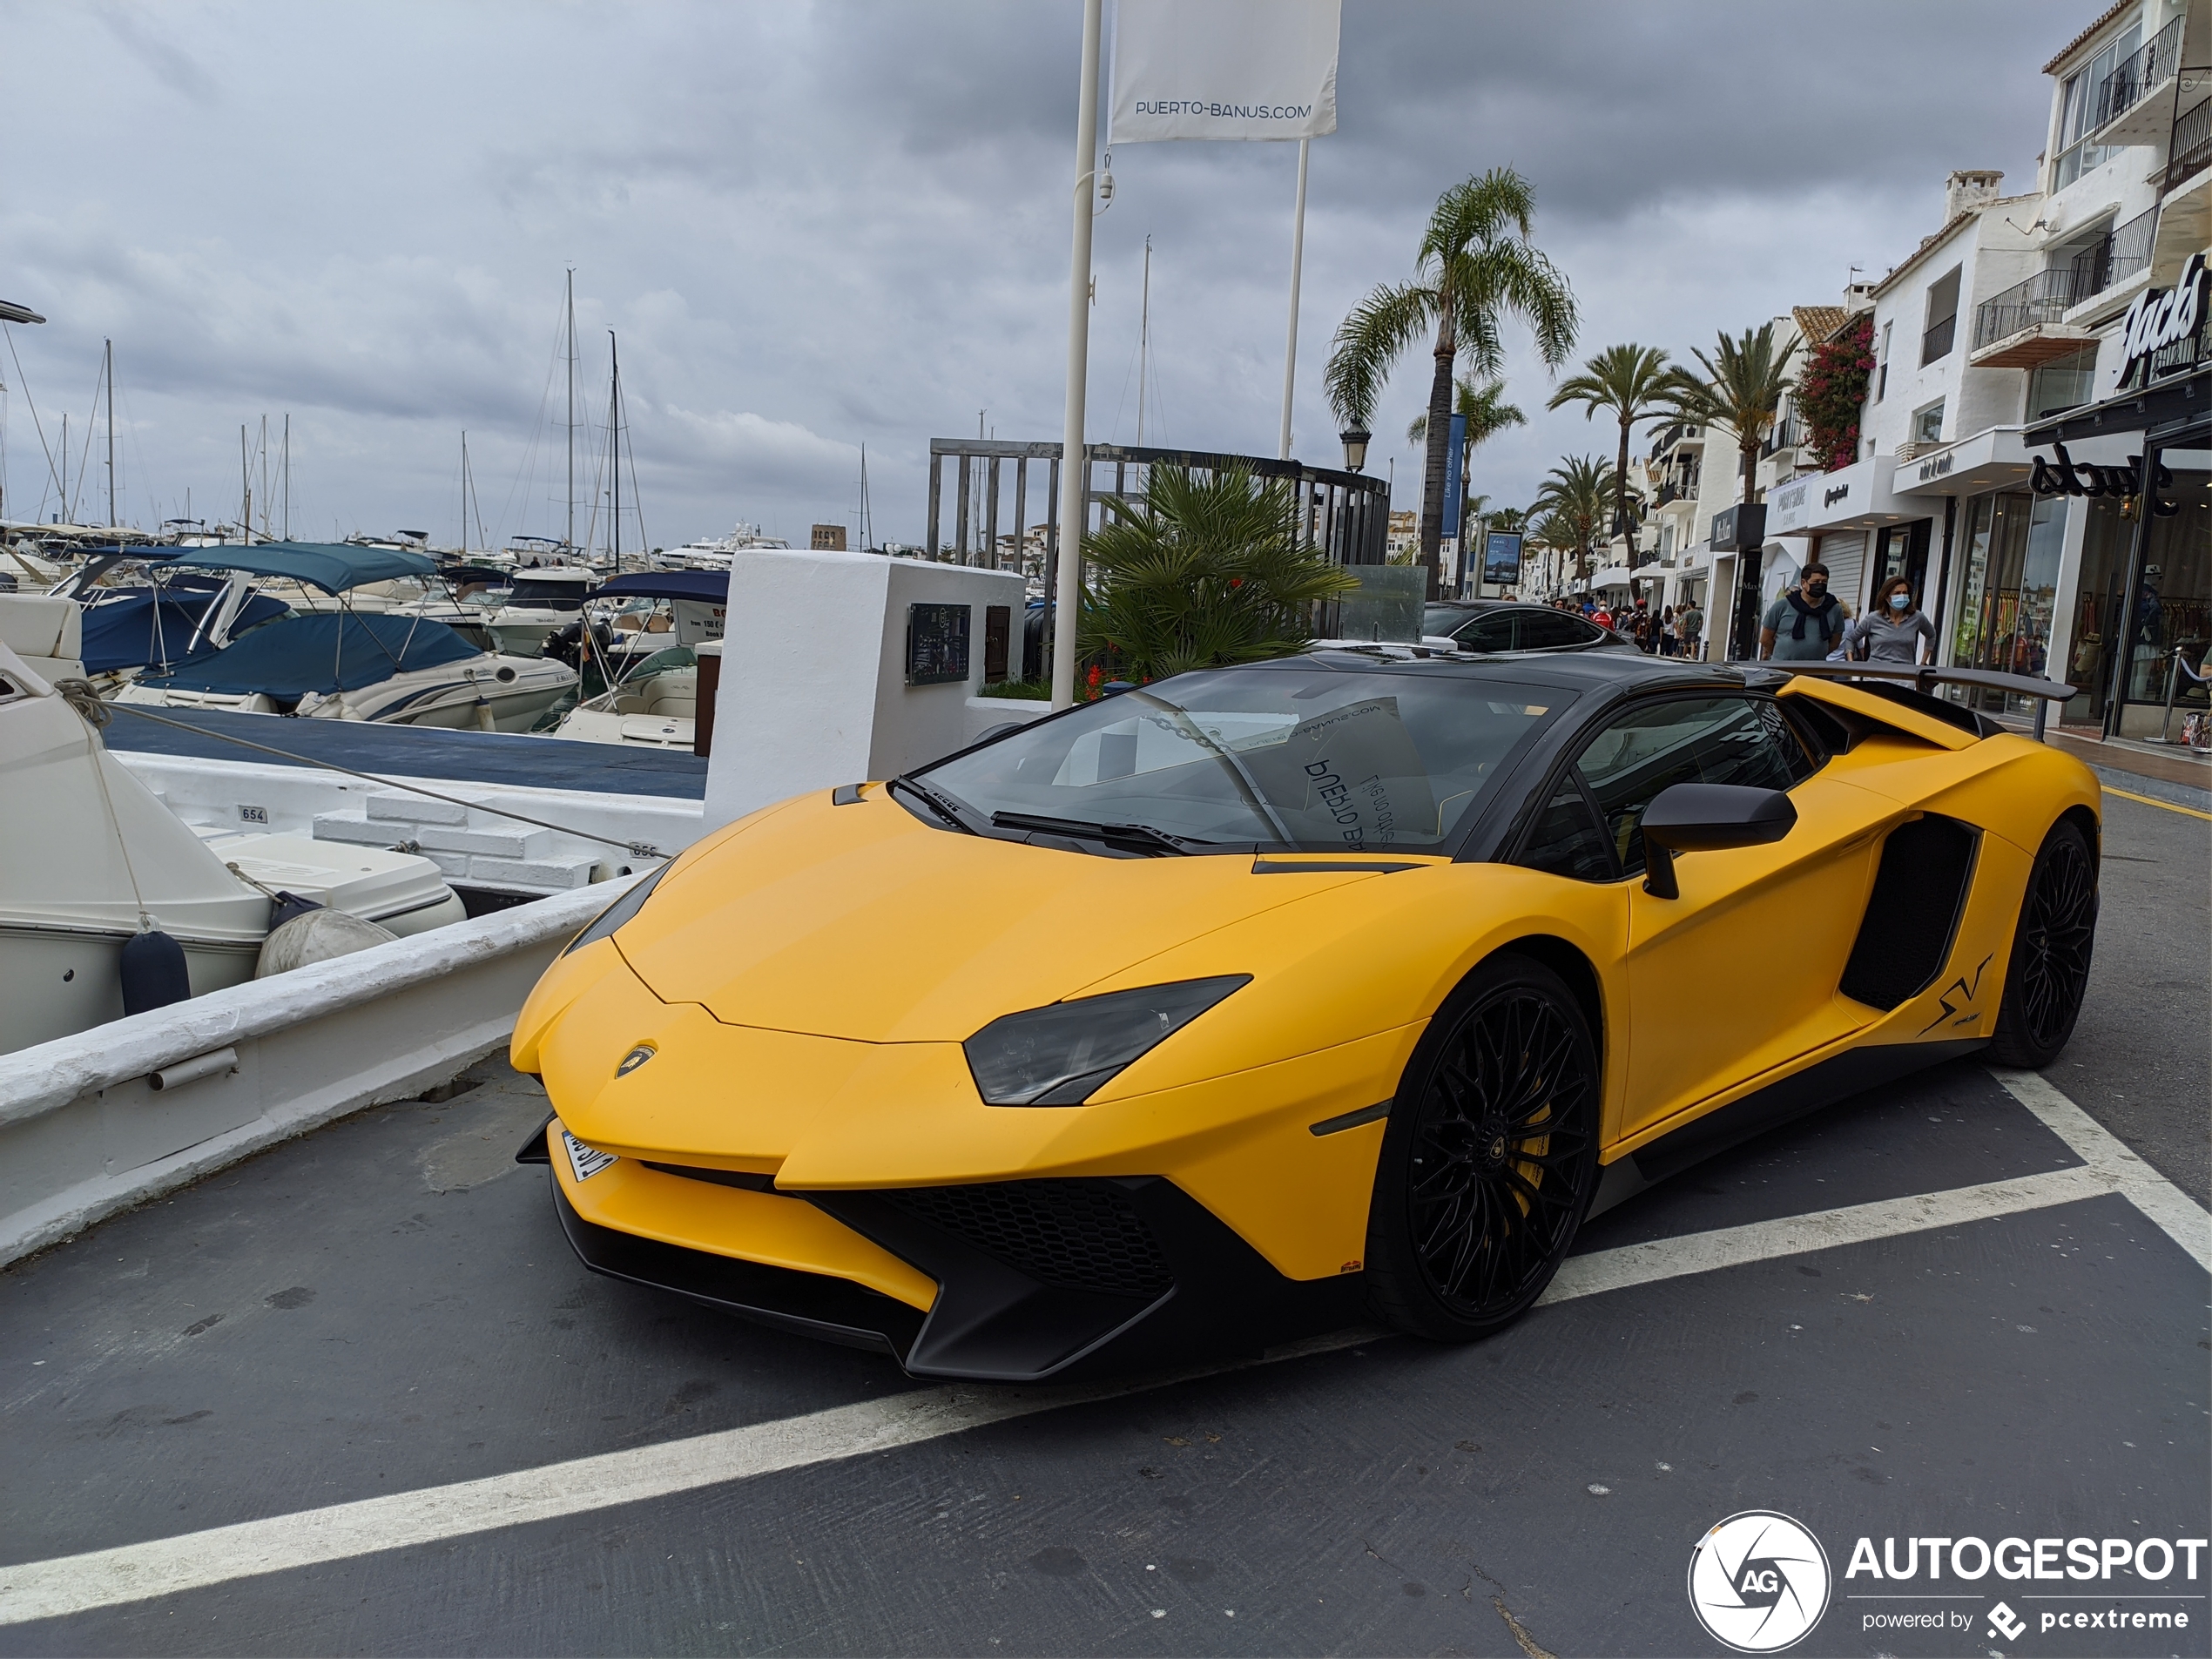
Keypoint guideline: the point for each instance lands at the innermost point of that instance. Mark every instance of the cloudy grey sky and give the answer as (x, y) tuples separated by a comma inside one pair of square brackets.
[(817, 225)]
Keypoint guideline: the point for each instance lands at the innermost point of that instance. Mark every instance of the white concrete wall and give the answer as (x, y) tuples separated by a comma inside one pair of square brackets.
[(82, 1134), (813, 691)]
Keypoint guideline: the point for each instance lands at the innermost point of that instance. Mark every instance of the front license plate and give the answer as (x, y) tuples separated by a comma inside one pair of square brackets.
[(586, 1161)]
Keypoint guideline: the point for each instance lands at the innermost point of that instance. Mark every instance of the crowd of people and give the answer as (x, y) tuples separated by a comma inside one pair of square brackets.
[(1673, 631), (1805, 623)]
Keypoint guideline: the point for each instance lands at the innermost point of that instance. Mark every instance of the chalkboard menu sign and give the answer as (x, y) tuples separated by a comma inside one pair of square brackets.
[(936, 645)]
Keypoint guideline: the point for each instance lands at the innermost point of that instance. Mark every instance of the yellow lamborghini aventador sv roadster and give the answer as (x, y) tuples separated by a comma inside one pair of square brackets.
[(1263, 999)]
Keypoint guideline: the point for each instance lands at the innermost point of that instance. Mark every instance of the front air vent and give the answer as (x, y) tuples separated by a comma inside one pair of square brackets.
[(1919, 895), (1073, 1235)]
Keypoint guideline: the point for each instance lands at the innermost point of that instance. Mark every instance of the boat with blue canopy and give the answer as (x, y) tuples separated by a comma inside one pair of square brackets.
[(343, 663)]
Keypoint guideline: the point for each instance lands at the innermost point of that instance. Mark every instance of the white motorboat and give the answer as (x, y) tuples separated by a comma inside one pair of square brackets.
[(90, 856), (543, 601), (343, 663), (714, 553), (653, 699)]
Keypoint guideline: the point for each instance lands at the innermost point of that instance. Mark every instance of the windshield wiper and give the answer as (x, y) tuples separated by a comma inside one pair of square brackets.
[(1143, 835), (940, 804)]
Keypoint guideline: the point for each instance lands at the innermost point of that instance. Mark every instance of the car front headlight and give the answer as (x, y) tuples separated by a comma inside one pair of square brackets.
[(1061, 1054), (619, 912)]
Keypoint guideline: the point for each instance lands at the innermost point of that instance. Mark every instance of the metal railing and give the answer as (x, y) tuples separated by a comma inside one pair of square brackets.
[(2051, 292), (2149, 64), (1789, 433), (1347, 515), (2190, 150)]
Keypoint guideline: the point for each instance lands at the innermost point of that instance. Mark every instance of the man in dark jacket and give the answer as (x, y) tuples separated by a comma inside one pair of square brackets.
[(1805, 625)]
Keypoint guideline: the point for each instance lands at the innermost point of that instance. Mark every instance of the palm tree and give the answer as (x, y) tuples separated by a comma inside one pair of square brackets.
[(1488, 413), (1475, 266), (1201, 570), (1633, 382), (1743, 384), (1575, 500)]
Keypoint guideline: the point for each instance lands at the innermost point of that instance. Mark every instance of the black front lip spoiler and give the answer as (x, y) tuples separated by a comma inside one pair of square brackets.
[(814, 1305), (991, 1322)]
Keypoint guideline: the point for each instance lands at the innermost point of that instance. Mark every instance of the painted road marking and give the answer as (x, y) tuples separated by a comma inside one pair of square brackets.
[(70, 1584), (2179, 1216), (2152, 800)]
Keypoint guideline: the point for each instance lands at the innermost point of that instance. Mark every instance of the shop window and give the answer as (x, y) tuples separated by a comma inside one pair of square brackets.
[(1927, 424), (2011, 584), (2061, 384), (1943, 317)]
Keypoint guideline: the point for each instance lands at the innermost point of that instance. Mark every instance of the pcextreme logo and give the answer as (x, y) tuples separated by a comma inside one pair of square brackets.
[(1758, 1582)]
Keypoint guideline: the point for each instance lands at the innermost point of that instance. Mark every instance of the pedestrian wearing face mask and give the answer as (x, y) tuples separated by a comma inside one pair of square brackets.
[(1805, 624), (1892, 630)]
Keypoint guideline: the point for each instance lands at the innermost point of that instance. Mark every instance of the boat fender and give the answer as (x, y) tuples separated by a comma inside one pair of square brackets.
[(154, 970), (318, 936), (285, 904)]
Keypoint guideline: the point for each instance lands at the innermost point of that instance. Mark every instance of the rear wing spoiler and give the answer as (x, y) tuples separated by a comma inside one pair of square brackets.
[(1926, 679)]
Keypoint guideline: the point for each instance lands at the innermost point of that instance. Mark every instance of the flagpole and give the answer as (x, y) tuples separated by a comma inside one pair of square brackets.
[(1298, 261), (1075, 469)]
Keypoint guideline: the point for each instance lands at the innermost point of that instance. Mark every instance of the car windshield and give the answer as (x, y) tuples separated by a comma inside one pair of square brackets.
[(1298, 756)]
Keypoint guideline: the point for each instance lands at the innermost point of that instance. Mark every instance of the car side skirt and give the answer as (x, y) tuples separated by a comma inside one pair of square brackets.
[(1834, 1079)]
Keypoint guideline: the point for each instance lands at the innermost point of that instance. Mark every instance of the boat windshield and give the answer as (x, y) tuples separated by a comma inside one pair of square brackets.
[(1303, 757)]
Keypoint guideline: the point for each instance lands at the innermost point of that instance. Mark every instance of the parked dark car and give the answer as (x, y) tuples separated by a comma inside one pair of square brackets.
[(1500, 624)]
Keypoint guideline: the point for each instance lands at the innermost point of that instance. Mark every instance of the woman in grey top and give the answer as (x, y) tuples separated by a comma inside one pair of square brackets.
[(1892, 628)]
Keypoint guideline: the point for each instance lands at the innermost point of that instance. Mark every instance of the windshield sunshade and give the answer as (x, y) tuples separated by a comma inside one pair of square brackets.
[(1313, 759)]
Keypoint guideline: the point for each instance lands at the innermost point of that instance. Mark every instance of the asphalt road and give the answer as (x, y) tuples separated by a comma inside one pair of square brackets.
[(1916, 1315), (2140, 1061)]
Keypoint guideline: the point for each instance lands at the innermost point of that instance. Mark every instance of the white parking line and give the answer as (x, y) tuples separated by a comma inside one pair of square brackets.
[(1764, 1241), (194, 1561), (2179, 1216)]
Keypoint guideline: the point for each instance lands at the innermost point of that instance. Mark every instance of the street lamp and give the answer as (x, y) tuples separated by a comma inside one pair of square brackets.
[(1355, 447)]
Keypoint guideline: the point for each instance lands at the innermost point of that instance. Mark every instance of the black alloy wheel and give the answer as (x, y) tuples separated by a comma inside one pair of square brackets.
[(1490, 1157), (2049, 972)]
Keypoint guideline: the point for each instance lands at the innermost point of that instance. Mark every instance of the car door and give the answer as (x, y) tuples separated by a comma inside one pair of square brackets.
[(1739, 974)]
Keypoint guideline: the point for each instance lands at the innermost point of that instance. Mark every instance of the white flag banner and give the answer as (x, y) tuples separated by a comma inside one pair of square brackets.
[(1224, 69)]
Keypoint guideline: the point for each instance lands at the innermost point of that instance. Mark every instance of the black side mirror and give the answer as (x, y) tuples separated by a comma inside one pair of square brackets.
[(1696, 818)]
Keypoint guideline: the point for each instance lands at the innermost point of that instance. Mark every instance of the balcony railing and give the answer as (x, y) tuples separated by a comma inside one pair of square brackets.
[(1788, 433), (2152, 62), (2190, 151), (2051, 292)]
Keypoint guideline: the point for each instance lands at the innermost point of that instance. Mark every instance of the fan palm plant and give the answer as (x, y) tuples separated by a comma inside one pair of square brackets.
[(1204, 569), (1743, 386), (1475, 266), (1632, 383), (1575, 501)]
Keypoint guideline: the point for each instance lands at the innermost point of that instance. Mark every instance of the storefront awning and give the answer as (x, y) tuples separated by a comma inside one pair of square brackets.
[(2171, 410), (1858, 496), (1991, 460)]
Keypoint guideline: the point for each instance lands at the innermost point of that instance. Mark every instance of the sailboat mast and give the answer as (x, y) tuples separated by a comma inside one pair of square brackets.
[(288, 474), (464, 494), (1144, 341), (108, 369), (245, 487), (569, 538), (614, 438), (68, 511)]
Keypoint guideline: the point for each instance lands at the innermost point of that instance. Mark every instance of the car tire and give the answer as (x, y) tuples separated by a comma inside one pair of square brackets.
[(2048, 973), (1489, 1157)]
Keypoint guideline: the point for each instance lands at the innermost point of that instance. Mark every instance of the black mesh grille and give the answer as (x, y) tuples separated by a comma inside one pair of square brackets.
[(1073, 1235), (1919, 895)]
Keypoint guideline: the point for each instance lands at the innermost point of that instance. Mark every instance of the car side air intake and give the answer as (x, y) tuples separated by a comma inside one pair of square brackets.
[(1913, 916)]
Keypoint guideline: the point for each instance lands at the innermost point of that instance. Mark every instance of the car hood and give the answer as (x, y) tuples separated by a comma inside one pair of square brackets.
[(862, 922)]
